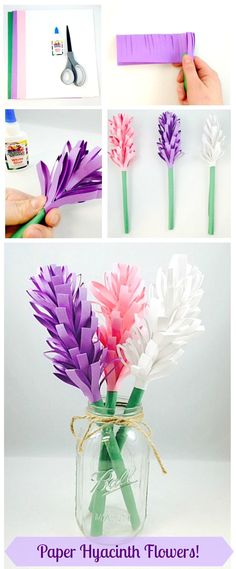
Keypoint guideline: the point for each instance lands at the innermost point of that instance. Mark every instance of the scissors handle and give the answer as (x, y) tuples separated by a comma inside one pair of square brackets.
[(80, 75), (67, 76)]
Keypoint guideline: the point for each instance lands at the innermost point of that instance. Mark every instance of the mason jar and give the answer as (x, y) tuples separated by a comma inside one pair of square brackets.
[(112, 470)]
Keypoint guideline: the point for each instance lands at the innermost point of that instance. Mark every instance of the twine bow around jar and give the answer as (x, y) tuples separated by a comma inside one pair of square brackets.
[(136, 421)]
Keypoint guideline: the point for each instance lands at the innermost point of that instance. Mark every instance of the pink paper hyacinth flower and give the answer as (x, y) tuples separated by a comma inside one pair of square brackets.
[(122, 139), (121, 298)]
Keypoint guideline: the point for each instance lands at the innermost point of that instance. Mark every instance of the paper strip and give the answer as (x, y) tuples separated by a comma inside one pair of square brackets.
[(154, 48), (9, 39), (14, 58), (21, 54)]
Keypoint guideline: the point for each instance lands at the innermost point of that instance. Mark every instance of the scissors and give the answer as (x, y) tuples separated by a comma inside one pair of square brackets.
[(73, 72)]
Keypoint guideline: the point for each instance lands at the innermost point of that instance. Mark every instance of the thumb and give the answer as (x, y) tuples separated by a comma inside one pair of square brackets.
[(190, 72), (20, 211)]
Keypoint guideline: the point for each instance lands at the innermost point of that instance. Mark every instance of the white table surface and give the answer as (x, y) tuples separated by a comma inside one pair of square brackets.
[(192, 500)]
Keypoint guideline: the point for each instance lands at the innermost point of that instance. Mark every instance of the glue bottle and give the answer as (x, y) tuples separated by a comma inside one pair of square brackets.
[(16, 143), (57, 43)]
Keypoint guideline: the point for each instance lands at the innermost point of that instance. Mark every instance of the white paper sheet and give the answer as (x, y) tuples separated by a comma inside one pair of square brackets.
[(43, 70)]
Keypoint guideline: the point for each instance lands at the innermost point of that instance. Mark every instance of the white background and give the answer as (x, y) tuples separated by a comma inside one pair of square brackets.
[(156, 84), (188, 411), (57, 103), (48, 132), (148, 180)]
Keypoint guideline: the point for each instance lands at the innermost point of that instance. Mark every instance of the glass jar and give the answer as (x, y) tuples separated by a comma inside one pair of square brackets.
[(112, 470)]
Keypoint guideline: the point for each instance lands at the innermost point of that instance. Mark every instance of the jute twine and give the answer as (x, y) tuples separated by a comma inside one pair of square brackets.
[(102, 421)]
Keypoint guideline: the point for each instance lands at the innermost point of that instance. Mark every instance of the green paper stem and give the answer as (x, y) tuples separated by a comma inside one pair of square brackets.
[(117, 464), (211, 202), (98, 500), (171, 197), (37, 219), (125, 201), (9, 40), (134, 401), (185, 80)]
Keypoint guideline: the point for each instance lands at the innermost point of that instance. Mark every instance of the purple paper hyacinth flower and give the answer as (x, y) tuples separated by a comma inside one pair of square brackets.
[(169, 143), (76, 176), (61, 306)]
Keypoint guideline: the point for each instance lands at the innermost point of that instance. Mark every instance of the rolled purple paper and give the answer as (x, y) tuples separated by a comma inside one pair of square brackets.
[(169, 142), (60, 304), (14, 57), (154, 48)]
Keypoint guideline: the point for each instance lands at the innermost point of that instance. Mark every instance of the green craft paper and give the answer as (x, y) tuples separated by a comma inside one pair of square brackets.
[(116, 462), (211, 204), (98, 500), (39, 217), (125, 201), (171, 197), (134, 401), (10, 39)]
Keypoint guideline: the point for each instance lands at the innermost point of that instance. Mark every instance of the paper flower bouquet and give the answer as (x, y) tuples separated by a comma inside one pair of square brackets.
[(135, 332)]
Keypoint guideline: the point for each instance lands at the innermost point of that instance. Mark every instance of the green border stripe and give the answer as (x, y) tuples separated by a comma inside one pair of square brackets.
[(10, 38)]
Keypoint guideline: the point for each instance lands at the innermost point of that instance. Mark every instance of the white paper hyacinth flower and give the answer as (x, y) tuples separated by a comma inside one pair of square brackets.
[(170, 321), (213, 141)]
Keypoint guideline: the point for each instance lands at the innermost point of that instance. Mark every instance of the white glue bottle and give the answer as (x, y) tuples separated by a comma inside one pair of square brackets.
[(16, 143), (57, 43)]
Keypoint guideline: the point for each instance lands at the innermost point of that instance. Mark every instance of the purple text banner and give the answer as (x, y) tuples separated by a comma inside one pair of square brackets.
[(140, 552)]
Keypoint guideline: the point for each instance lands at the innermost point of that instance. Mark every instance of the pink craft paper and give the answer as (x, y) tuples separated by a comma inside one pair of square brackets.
[(153, 48), (14, 57), (21, 55)]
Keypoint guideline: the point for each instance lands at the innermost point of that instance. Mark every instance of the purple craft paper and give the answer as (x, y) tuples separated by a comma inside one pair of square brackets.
[(153, 48), (76, 176), (61, 306), (14, 57), (169, 143)]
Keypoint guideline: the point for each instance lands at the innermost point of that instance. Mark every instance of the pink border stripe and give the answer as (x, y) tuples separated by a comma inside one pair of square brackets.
[(21, 55), (14, 58)]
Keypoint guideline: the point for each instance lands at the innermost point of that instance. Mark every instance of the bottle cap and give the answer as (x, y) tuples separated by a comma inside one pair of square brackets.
[(56, 31), (10, 116)]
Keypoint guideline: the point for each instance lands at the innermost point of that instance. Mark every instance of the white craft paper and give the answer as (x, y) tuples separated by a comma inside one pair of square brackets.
[(43, 70)]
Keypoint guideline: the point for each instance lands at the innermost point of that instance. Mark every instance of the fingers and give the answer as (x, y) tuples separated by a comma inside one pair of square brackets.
[(38, 232), (53, 217), (201, 66), (10, 230), (181, 93), (13, 194), (21, 211), (190, 72), (180, 76)]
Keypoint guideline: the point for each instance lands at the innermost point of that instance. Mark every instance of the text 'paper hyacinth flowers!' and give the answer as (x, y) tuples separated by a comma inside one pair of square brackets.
[(122, 153), (213, 141), (169, 150), (76, 177)]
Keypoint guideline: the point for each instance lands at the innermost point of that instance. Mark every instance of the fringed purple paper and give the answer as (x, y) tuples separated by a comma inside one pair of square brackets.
[(76, 176), (154, 48), (61, 306)]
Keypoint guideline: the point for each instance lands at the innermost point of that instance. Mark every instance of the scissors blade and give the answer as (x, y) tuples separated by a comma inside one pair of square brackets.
[(68, 39)]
